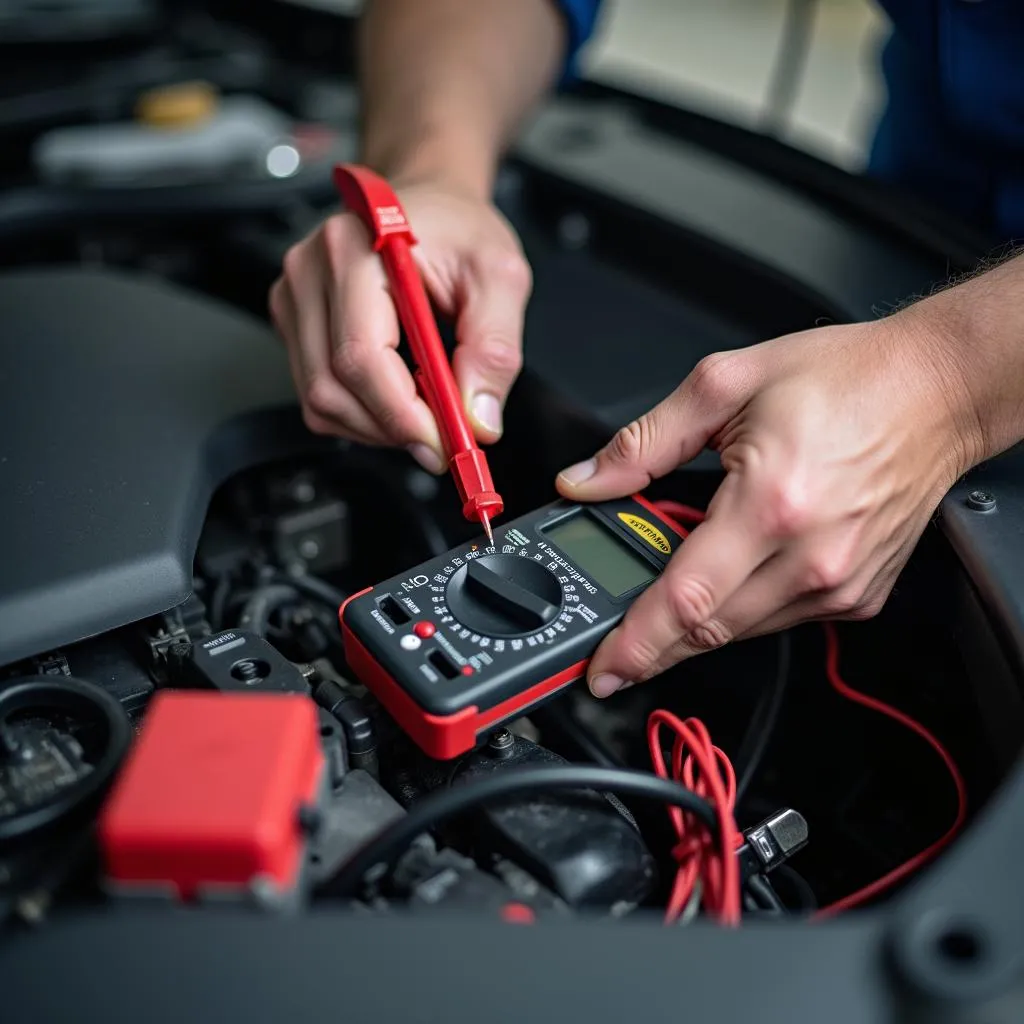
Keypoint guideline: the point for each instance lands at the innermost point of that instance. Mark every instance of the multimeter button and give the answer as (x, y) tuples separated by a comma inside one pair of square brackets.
[(424, 630), (410, 642)]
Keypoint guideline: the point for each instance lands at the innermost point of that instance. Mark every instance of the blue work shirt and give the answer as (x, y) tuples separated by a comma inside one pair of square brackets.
[(952, 131)]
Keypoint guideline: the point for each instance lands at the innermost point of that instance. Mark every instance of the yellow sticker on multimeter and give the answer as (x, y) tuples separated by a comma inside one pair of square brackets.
[(648, 531)]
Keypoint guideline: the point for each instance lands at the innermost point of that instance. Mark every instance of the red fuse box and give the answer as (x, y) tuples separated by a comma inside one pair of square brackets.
[(209, 800)]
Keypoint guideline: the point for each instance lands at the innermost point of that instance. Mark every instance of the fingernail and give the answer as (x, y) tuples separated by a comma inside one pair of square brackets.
[(426, 457), (487, 410), (581, 471), (605, 685)]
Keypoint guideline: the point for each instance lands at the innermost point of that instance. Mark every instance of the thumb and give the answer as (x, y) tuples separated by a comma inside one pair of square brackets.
[(673, 432), (489, 333)]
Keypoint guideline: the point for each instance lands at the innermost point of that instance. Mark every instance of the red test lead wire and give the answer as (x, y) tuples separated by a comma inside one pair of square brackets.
[(372, 199), (898, 874), (678, 513)]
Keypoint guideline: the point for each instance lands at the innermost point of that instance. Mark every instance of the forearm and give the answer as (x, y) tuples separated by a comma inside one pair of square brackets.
[(977, 332), (445, 83)]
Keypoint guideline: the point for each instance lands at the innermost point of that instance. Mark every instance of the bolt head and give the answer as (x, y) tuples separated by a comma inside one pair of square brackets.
[(501, 742), (981, 501)]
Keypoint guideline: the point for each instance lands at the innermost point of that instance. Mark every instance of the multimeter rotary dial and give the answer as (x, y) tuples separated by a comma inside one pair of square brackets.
[(504, 596)]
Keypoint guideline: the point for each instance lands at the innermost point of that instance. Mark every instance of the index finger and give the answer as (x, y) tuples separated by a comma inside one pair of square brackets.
[(714, 562), (364, 356)]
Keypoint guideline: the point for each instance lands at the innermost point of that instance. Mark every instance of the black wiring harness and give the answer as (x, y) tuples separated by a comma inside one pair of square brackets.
[(381, 852)]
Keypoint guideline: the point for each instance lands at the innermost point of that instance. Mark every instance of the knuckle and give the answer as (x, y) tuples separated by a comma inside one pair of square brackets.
[(710, 635), (337, 242), (336, 233), (320, 398), (293, 261), (713, 377), (825, 572), (639, 656), (786, 511), (690, 604), (350, 364), (315, 423), (632, 442), (509, 268), (393, 423), (498, 358)]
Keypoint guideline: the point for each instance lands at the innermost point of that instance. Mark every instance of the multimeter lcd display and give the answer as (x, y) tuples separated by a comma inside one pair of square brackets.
[(598, 553)]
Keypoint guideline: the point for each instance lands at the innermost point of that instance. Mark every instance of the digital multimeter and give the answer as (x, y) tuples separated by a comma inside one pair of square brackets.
[(478, 636)]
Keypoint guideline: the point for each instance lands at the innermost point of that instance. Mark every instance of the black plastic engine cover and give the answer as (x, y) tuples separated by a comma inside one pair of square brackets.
[(123, 403)]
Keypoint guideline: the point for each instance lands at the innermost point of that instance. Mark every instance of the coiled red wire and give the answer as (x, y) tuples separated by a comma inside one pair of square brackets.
[(696, 854), (703, 768)]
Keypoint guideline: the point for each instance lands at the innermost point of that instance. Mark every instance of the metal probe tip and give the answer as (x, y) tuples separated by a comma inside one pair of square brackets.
[(486, 520)]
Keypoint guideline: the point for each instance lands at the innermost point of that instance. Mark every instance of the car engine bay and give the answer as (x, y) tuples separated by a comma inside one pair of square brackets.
[(165, 505), (281, 549)]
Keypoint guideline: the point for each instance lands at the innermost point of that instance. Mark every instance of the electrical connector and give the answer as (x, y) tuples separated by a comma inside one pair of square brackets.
[(772, 842)]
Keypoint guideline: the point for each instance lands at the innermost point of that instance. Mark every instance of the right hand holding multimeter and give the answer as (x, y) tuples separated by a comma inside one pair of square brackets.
[(480, 635), (838, 444)]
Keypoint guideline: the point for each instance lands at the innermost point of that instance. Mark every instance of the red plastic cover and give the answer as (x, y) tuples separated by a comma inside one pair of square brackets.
[(210, 794)]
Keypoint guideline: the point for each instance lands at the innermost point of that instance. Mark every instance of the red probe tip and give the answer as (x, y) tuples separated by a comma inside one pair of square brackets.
[(486, 520)]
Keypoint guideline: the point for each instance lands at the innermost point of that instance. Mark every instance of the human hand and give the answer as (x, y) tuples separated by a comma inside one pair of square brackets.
[(837, 444), (332, 308)]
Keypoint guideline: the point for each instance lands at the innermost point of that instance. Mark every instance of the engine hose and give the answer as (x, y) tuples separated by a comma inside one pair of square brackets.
[(262, 603), (315, 588)]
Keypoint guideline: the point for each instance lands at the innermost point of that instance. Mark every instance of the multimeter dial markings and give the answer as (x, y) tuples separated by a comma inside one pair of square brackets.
[(524, 596)]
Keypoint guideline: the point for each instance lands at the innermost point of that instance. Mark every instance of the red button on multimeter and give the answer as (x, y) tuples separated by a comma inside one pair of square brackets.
[(502, 628)]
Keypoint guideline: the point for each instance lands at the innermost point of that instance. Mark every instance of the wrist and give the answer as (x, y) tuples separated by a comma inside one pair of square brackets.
[(967, 337), (935, 337), (978, 327), (449, 160)]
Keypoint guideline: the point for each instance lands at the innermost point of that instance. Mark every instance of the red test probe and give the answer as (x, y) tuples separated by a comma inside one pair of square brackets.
[(372, 199)]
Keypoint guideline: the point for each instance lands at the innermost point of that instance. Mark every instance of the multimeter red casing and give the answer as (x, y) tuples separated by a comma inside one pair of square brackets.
[(429, 649)]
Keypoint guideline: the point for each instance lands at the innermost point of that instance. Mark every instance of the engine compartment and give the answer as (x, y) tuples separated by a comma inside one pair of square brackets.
[(284, 543), (161, 510)]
